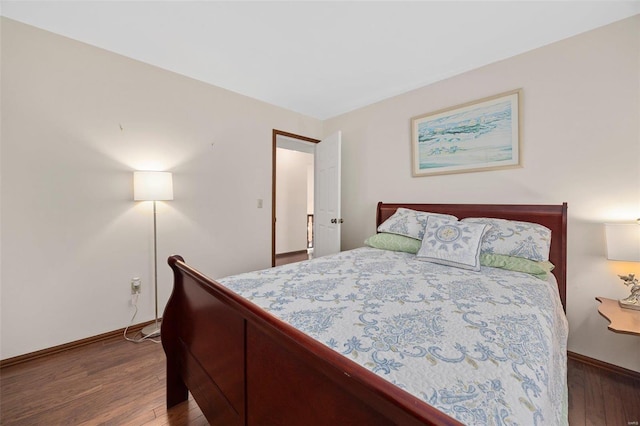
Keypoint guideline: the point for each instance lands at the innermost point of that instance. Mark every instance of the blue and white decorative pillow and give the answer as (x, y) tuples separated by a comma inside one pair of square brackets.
[(410, 223), (514, 238), (452, 243)]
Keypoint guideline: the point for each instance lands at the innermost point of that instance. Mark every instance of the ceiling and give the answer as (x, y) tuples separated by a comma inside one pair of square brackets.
[(320, 59)]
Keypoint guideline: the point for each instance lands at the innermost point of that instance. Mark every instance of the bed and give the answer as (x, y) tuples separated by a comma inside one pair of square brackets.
[(245, 365)]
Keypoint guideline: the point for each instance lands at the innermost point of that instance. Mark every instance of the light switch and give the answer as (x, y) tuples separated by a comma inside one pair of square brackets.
[(259, 203)]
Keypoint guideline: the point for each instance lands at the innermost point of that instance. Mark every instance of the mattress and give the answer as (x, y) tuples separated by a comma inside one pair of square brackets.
[(487, 347)]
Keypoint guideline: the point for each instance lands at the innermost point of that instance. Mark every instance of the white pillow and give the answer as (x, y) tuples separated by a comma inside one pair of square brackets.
[(514, 238), (410, 223), (452, 243)]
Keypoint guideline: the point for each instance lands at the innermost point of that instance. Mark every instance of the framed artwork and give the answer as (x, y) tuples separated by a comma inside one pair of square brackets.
[(479, 135)]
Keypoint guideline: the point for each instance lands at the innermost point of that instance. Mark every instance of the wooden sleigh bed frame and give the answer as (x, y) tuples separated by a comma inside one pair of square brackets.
[(224, 349)]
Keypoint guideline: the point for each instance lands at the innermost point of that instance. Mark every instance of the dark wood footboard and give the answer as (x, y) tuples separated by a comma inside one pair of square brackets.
[(245, 367), (204, 340)]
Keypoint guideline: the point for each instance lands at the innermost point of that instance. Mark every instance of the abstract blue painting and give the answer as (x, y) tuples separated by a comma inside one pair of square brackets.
[(481, 135)]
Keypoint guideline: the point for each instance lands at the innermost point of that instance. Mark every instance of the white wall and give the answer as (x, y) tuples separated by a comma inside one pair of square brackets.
[(581, 144), (72, 236), (291, 200)]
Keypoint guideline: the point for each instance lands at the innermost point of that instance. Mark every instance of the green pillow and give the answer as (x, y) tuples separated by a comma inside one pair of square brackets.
[(394, 242), (519, 264)]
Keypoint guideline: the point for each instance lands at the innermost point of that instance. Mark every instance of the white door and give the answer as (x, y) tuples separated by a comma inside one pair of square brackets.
[(327, 218)]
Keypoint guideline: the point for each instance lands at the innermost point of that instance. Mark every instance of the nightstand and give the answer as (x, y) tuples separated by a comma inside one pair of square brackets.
[(622, 320)]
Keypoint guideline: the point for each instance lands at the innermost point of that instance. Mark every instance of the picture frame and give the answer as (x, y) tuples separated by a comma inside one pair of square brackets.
[(476, 136)]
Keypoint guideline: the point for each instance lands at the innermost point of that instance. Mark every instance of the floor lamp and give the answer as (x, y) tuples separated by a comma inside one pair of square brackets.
[(153, 186)]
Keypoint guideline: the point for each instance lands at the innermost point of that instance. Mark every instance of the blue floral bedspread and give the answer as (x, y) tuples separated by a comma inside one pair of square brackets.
[(487, 348)]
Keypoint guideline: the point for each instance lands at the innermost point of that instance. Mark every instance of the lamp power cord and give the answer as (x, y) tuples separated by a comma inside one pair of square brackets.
[(137, 337)]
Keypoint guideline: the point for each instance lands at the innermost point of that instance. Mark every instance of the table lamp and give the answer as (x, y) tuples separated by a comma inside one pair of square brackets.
[(623, 243)]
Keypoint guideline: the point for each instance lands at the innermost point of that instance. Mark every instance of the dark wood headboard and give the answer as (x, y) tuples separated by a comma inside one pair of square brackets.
[(553, 217)]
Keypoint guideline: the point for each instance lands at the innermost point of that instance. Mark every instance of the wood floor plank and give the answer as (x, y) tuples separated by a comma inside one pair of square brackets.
[(575, 374), (594, 398), (629, 399), (186, 413), (613, 406), (115, 382)]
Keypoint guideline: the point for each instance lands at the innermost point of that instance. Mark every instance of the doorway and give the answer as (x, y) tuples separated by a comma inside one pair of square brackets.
[(292, 197)]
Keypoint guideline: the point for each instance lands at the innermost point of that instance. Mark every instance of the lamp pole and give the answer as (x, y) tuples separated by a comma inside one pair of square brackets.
[(153, 330)]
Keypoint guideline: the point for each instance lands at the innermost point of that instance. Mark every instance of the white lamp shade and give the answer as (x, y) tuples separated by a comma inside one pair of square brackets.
[(623, 241), (152, 186)]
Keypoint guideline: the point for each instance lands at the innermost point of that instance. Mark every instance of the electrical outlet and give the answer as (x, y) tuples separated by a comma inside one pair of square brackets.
[(136, 285)]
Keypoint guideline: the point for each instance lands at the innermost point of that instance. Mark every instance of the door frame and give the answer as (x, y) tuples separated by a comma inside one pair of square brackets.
[(274, 140)]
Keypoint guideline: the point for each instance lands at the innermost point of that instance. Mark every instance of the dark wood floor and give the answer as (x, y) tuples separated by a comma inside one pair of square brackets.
[(286, 258), (598, 397), (113, 382), (116, 382)]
